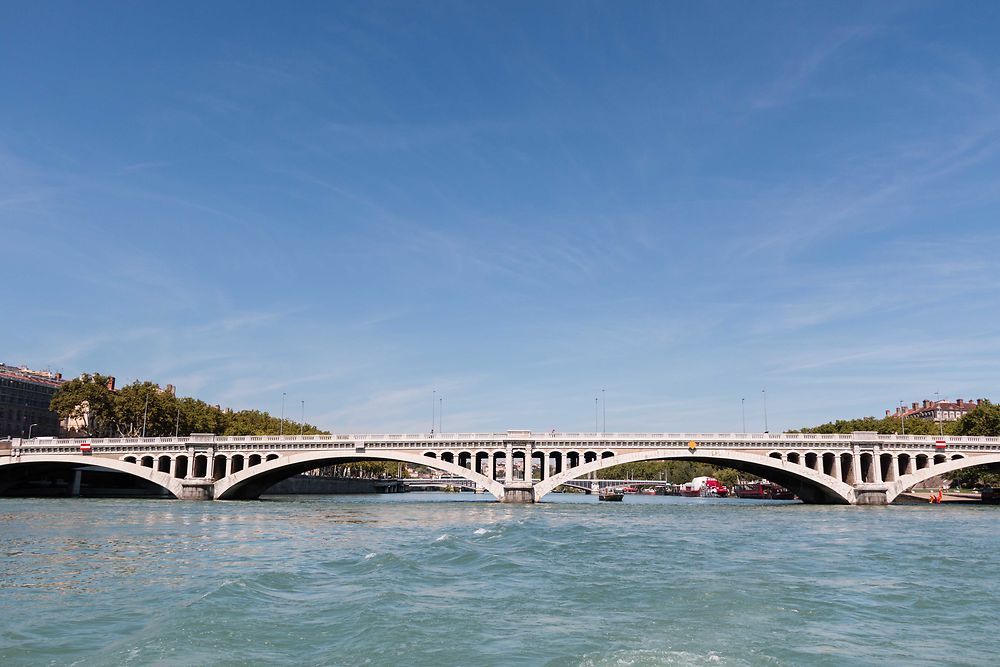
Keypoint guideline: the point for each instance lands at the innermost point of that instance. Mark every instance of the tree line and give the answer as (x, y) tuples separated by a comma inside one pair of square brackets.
[(144, 408)]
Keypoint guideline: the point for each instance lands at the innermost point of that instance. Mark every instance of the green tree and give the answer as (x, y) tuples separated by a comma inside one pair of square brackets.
[(984, 419), (87, 400)]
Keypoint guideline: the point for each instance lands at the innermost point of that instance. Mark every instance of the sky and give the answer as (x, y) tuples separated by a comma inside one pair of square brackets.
[(688, 208)]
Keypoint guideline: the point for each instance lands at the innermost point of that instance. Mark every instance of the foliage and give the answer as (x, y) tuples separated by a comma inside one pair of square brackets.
[(984, 419), (142, 407), (885, 425), (87, 399)]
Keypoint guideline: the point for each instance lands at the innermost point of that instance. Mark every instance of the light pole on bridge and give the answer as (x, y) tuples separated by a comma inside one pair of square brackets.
[(29, 430), (764, 392), (281, 426), (302, 424), (743, 411)]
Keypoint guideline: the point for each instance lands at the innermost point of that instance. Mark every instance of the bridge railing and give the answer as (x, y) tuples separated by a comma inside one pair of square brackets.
[(539, 440)]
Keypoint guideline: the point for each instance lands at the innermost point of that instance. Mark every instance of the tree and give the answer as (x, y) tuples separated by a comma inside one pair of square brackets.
[(88, 401), (984, 419)]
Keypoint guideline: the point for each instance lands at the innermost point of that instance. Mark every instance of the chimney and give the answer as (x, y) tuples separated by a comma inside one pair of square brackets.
[(914, 406), (927, 403), (960, 401), (59, 376), (111, 383), (170, 389), (888, 412)]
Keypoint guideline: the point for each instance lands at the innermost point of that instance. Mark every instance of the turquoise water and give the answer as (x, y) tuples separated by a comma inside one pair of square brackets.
[(452, 579)]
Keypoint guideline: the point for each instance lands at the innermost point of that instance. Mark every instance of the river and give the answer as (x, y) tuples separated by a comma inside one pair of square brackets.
[(452, 579)]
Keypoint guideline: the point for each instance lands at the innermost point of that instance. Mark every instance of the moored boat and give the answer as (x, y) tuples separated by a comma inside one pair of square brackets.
[(763, 490), (704, 487), (611, 495)]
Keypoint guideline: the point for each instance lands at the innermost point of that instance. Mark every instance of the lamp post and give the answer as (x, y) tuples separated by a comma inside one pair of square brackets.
[(281, 426), (937, 411), (29, 430), (302, 424), (145, 411), (902, 416), (434, 394), (604, 412), (440, 413), (177, 424), (764, 392), (743, 411), (597, 423)]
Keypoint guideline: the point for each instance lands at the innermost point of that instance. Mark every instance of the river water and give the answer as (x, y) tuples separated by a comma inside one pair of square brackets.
[(452, 579)]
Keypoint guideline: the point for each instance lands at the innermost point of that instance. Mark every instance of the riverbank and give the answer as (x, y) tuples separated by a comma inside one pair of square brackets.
[(914, 497)]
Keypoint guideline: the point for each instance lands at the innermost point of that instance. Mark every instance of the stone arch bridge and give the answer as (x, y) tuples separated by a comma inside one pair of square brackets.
[(861, 468)]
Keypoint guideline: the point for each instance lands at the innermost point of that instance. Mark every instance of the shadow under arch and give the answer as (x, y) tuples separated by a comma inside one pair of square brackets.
[(907, 481), (161, 479), (249, 483), (809, 485)]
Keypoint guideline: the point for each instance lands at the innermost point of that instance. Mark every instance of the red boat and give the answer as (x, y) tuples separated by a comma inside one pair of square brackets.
[(704, 487), (763, 491)]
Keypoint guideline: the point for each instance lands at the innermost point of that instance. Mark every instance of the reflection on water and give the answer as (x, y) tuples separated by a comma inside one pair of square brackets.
[(438, 579)]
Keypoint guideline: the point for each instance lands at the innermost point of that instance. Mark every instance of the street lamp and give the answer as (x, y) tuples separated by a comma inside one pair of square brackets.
[(29, 430), (764, 392), (145, 411), (743, 411), (604, 412), (302, 424), (281, 426), (902, 416), (937, 411)]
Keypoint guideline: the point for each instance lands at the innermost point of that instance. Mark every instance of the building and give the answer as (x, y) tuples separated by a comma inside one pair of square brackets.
[(938, 411), (24, 402)]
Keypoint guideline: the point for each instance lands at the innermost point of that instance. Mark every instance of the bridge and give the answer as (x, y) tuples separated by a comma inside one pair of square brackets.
[(861, 468), (586, 485)]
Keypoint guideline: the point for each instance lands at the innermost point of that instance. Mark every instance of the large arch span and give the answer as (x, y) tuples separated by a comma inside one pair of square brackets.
[(909, 481), (161, 479), (249, 483), (808, 484)]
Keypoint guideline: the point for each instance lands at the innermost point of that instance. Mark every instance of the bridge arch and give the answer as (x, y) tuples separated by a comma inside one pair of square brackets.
[(923, 474), (808, 484), (164, 480), (249, 483)]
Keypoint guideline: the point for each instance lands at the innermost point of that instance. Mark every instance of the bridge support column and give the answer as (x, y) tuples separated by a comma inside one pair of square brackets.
[(871, 494), (197, 490), (74, 490), (518, 492)]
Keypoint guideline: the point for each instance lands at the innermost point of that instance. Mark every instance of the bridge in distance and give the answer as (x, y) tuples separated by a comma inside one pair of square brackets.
[(861, 468)]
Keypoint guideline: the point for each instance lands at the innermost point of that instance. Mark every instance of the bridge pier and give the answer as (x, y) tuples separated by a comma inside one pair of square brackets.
[(197, 490), (871, 494), (518, 492)]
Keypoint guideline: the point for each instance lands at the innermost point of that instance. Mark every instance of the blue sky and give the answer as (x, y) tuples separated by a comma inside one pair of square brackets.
[(516, 204)]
